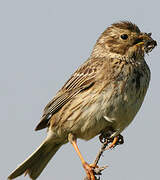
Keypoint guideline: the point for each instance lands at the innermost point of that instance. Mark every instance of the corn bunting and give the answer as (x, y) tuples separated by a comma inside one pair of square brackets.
[(101, 97)]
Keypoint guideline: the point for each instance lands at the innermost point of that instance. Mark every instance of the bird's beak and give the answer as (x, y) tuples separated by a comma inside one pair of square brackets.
[(146, 41)]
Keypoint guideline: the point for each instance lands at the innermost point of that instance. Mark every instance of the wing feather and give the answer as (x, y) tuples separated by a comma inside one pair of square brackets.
[(82, 79)]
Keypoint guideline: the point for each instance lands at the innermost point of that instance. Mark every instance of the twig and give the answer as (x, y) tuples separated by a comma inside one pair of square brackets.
[(105, 142), (103, 147), (98, 170)]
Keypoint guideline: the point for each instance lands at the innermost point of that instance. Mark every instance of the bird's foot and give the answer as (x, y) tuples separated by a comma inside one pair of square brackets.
[(92, 170), (111, 142), (89, 168)]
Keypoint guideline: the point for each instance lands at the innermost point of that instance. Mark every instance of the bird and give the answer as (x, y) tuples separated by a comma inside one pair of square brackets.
[(101, 97)]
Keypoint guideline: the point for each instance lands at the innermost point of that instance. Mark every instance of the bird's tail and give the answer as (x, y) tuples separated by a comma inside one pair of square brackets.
[(34, 165)]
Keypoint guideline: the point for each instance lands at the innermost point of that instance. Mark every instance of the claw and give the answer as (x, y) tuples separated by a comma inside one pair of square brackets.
[(89, 171)]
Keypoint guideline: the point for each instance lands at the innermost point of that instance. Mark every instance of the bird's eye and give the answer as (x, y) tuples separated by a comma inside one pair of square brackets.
[(124, 36)]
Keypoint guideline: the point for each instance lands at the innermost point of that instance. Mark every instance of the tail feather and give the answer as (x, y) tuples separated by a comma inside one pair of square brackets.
[(34, 165)]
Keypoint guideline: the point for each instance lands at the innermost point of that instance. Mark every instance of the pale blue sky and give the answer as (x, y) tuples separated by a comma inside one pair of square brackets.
[(41, 44)]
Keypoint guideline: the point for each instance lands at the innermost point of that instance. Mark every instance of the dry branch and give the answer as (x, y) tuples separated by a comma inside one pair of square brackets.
[(105, 142), (98, 170)]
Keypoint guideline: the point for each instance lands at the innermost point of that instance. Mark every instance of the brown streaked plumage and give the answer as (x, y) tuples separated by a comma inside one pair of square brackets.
[(101, 97)]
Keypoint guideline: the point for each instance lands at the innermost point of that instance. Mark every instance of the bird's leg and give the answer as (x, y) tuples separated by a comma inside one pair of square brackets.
[(88, 168)]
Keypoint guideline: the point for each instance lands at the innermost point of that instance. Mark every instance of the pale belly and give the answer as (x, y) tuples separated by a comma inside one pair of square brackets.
[(113, 108)]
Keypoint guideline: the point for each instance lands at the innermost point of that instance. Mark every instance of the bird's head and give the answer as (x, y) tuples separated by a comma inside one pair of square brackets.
[(124, 40)]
